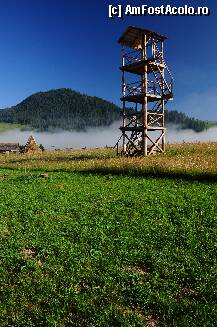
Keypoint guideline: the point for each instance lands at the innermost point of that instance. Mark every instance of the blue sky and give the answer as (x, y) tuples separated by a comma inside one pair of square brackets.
[(49, 44)]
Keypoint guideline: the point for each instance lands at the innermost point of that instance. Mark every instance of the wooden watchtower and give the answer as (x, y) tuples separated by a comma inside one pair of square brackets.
[(146, 88)]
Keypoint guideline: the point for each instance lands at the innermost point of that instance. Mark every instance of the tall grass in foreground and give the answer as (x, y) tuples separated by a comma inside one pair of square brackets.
[(184, 159)]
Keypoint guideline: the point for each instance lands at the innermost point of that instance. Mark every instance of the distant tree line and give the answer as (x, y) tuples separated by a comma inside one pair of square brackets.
[(70, 110), (185, 122)]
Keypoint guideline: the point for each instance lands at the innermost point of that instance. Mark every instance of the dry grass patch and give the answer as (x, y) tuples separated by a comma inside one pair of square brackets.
[(138, 268), (31, 253), (152, 321), (185, 158)]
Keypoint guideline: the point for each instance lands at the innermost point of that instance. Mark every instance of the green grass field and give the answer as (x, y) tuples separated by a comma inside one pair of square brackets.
[(106, 241), (5, 127)]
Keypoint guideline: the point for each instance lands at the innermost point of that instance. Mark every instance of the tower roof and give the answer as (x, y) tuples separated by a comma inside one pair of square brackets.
[(133, 36)]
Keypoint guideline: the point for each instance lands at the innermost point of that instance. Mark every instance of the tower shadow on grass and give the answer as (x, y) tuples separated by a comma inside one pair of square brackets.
[(206, 177), (146, 172)]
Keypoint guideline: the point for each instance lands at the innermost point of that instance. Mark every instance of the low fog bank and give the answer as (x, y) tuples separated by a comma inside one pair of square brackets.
[(100, 137), (177, 135), (93, 137)]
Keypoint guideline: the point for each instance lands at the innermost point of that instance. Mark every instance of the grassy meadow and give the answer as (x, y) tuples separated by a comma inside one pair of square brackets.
[(5, 127), (91, 239)]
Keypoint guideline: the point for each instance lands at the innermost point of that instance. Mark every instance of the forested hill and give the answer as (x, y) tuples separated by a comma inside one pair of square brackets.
[(61, 109), (70, 110)]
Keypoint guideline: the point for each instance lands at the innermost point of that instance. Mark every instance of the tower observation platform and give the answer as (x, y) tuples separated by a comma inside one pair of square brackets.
[(147, 85)]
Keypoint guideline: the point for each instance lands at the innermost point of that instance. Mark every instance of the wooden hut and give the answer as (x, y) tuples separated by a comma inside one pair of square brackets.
[(8, 147), (31, 146)]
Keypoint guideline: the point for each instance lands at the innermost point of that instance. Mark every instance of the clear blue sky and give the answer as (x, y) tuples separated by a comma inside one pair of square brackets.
[(49, 44)]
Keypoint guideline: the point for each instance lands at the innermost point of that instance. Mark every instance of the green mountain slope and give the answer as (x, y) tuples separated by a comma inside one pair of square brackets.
[(61, 109), (70, 110)]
